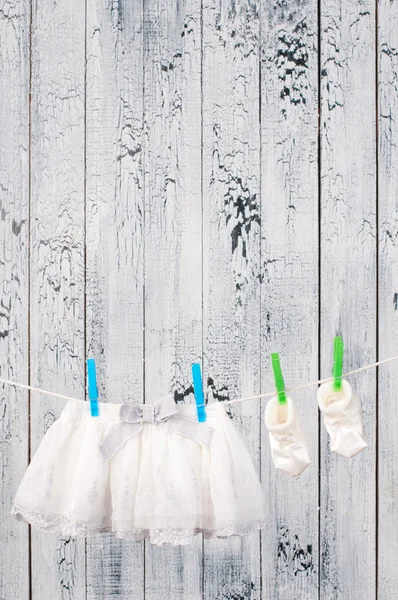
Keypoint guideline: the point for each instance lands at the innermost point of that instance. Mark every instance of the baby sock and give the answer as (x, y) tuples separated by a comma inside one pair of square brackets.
[(289, 448), (342, 415)]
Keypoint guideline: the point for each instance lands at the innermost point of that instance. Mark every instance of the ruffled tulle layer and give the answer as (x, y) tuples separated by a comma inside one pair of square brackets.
[(66, 528)]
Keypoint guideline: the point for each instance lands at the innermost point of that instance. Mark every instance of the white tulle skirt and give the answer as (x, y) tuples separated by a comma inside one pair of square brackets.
[(159, 485)]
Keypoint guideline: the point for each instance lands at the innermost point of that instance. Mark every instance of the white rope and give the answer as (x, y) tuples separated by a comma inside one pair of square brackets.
[(265, 395), (36, 389), (318, 381)]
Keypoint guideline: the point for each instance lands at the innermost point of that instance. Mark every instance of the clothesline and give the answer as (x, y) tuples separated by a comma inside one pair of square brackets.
[(235, 400), (317, 382)]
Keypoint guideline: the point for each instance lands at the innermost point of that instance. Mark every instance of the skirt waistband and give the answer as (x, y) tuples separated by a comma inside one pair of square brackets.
[(110, 411)]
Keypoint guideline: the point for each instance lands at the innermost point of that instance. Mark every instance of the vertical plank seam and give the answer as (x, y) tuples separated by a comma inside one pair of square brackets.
[(30, 591), (201, 236), (377, 300), (319, 4), (143, 134), (85, 242), (260, 37)]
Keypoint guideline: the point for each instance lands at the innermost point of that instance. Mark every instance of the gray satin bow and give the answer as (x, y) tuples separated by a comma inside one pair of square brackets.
[(163, 413)]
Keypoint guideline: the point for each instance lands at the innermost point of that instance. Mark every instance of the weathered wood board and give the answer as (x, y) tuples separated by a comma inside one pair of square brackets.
[(114, 247), (231, 255), (173, 259), (289, 282), (203, 181), (348, 287), (14, 286), (56, 256), (387, 417)]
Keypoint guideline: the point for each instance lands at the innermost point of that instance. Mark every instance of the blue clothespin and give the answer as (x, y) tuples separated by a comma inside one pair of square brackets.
[(198, 391), (92, 387)]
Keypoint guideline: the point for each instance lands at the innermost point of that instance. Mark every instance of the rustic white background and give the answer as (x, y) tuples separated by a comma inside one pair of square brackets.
[(186, 180)]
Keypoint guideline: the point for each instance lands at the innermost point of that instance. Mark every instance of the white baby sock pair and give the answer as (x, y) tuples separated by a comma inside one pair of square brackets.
[(342, 416)]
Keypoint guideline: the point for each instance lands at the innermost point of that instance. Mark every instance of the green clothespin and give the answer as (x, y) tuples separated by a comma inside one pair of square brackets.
[(279, 383), (337, 363)]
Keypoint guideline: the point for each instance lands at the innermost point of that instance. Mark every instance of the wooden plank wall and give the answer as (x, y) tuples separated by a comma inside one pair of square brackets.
[(203, 180)]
